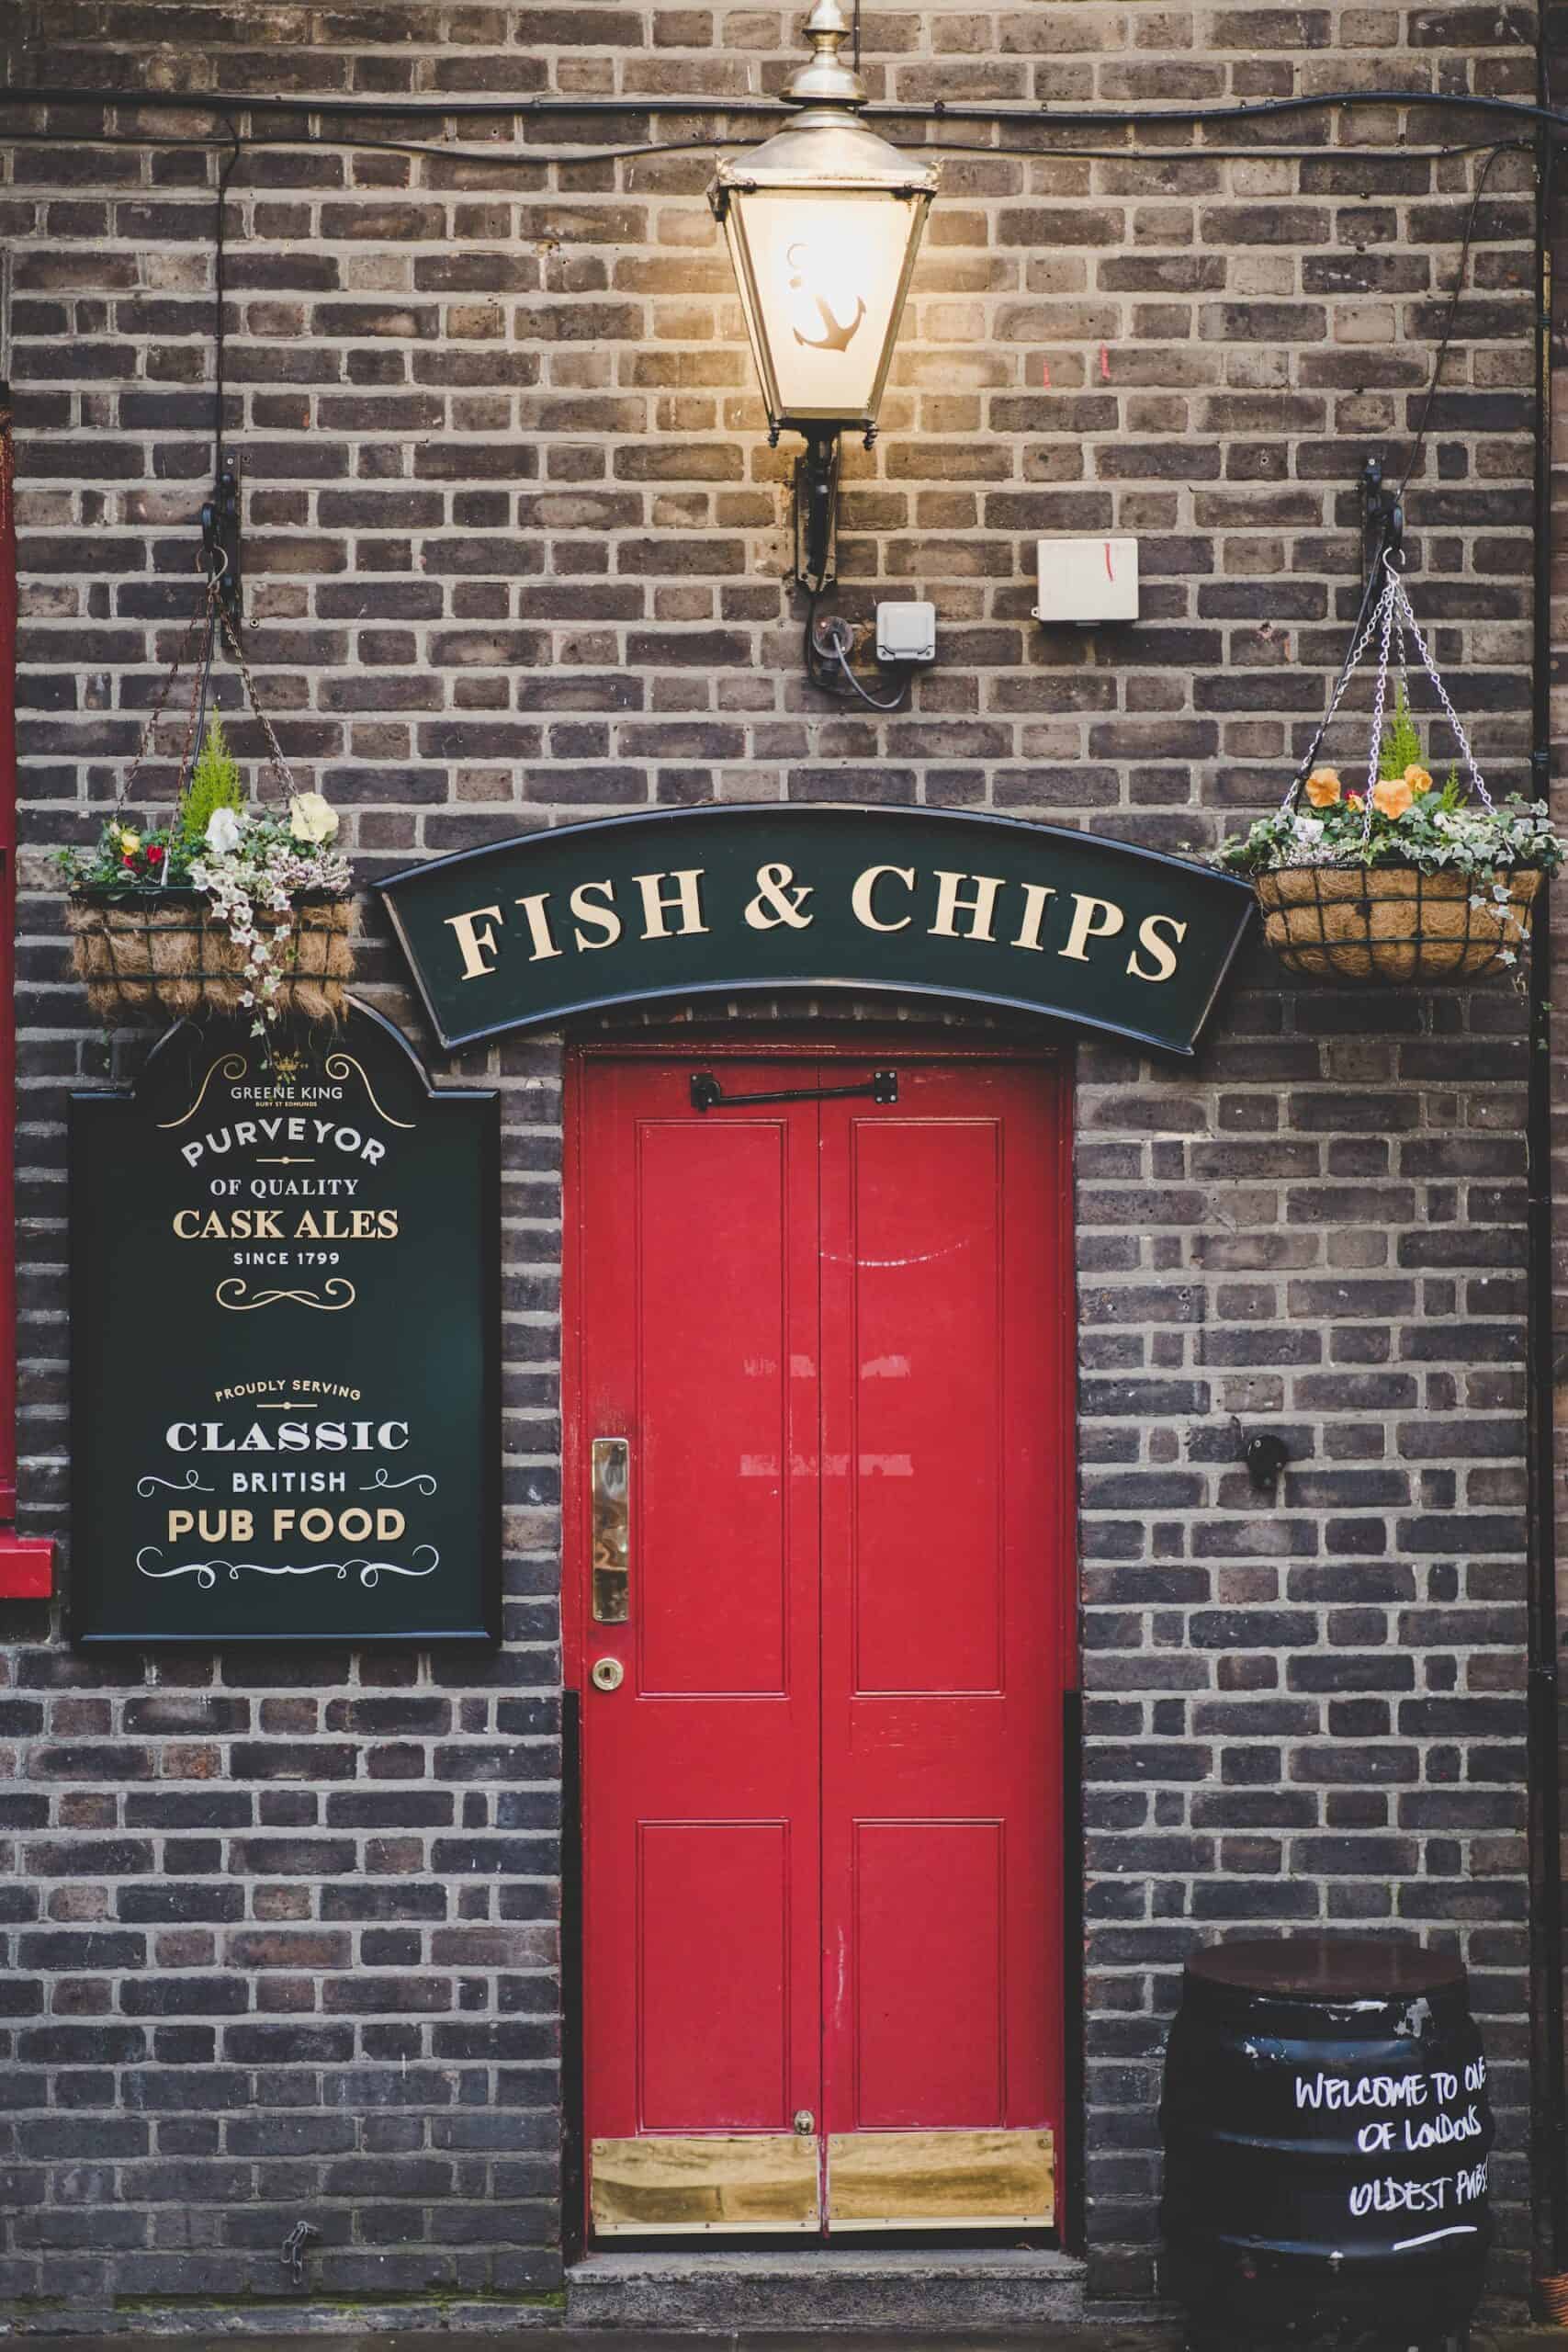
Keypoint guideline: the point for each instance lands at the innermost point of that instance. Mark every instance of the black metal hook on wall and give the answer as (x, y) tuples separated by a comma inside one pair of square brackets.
[(220, 541), (1382, 522), (221, 514)]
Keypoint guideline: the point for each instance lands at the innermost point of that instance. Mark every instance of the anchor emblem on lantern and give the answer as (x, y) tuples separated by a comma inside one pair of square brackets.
[(836, 335)]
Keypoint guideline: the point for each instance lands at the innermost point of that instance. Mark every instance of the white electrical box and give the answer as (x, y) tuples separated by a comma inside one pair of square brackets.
[(1088, 580), (905, 632)]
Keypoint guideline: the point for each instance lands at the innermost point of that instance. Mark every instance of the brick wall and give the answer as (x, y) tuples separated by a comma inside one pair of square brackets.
[(282, 1940), (1555, 33)]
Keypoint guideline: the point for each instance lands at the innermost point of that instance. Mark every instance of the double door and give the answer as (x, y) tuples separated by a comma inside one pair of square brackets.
[(818, 1514)]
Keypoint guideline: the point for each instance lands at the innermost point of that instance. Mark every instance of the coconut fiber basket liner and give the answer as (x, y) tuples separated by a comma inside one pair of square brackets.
[(160, 951), (1391, 923)]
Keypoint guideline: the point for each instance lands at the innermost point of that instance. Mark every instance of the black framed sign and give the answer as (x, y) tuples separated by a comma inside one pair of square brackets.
[(285, 1328), (932, 902)]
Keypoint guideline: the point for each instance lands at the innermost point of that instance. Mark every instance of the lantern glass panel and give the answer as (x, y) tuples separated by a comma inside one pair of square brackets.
[(822, 274)]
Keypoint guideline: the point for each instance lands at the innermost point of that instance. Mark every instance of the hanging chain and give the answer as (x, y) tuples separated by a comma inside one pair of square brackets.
[(1450, 713), (278, 764), (1388, 605), (206, 624), (1293, 789), (1391, 616), (150, 728)]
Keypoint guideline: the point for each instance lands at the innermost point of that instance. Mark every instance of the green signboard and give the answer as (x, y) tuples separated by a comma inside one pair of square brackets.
[(285, 1341), (916, 900)]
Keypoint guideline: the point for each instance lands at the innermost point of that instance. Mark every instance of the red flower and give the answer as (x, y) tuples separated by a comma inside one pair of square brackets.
[(155, 855), (129, 858)]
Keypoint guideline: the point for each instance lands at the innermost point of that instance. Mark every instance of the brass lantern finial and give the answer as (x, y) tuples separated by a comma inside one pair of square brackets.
[(826, 79)]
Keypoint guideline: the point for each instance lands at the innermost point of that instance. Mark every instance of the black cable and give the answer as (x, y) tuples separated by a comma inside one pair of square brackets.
[(220, 289), (1449, 322), (502, 157), (507, 158), (897, 702), (814, 677), (813, 597), (1374, 574), (549, 103)]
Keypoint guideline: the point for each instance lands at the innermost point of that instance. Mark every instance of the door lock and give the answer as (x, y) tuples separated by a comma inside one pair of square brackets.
[(607, 1674)]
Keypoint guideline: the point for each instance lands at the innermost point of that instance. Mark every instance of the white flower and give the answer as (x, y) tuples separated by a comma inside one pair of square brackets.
[(1309, 829), (225, 832), (311, 819)]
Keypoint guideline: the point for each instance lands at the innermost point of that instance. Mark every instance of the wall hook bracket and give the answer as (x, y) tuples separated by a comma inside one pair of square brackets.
[(1382, 522), (1266, 1457), (816, 508), (294, 2247), (220, 541)]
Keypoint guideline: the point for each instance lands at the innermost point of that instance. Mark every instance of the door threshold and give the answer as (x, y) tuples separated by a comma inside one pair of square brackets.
[(933, 2289)]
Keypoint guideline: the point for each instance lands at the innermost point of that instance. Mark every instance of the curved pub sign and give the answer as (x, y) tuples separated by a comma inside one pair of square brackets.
[(284, 1318), (925, 901)]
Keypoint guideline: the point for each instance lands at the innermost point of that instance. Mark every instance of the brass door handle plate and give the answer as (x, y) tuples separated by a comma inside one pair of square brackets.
[(607, 1674), (611, 1476)]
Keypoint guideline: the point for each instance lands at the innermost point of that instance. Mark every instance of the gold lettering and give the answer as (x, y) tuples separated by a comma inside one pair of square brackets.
[(980, 909), (539, 927), (1085, 927), (1164, 953), (687, 902), (476, 945), (602, 918), (861, 897), (1035, 894)]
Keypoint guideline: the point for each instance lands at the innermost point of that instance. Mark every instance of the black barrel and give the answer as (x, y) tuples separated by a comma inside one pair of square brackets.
[(1326, 2133)]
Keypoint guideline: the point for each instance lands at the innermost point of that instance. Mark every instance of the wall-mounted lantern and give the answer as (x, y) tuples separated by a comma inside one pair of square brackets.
[(823, 222)]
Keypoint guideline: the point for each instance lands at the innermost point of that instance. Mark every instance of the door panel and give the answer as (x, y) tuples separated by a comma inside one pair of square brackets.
[(701, 1770), (822, 1809), (941, 1656), (712, 1410), (707, 1888), (913, 1278), (950, 1967)]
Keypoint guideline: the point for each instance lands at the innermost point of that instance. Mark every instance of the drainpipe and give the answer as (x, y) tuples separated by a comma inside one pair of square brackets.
[(1549, 2119)]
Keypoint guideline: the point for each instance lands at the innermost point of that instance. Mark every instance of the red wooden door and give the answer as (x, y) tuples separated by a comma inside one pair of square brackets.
[(821, 1753)]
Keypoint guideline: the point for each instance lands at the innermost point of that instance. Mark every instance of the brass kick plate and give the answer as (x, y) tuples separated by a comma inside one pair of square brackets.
[(931, 2180), (756, 2181), (611, 1529)]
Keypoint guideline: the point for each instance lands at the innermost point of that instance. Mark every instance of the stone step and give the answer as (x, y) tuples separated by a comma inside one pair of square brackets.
[(926, 2291)]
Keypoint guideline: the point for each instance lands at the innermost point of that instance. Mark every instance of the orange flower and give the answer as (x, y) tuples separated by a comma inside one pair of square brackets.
[(1418, 780), (1393, 795), (1323, 787)]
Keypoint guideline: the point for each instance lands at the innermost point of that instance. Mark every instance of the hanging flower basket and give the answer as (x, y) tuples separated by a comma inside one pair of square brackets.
[(1393, 923), (227, 909), (1404, 882), (161, 950)]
